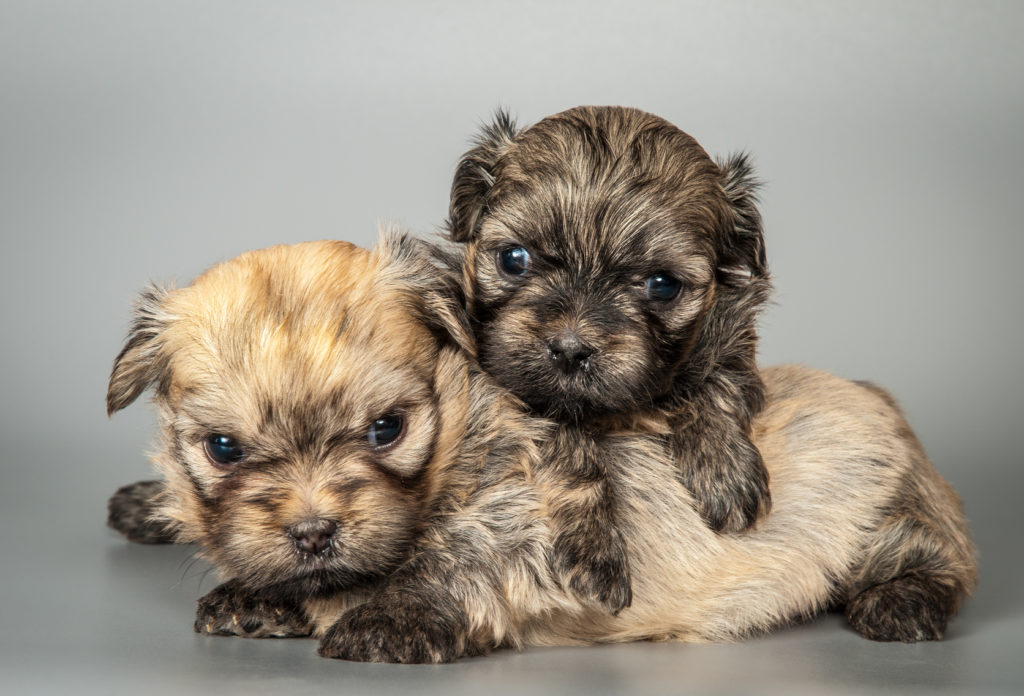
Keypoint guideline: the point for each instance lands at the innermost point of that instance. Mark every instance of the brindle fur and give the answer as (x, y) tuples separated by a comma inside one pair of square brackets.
[(449, 536), (133, 511), (603, 198)]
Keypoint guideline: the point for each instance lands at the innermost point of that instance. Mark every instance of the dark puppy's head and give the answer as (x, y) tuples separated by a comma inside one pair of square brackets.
[(304, 400), (610, 262)]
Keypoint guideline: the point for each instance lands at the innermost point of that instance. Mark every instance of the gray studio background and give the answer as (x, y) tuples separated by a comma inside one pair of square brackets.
[(145, 141)]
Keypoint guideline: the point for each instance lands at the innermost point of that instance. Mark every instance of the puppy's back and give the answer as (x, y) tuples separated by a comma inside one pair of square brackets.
[(846, 471)]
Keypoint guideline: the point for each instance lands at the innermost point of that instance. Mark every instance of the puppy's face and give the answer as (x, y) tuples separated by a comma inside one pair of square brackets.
[(296, 392), (596, 243)]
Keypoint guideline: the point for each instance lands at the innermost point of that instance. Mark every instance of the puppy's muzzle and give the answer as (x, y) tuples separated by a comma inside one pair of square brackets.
[(569, 353), (313, 536)]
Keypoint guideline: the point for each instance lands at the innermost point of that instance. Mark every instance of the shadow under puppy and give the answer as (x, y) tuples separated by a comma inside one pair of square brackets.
[(331, 444), (614, 272)]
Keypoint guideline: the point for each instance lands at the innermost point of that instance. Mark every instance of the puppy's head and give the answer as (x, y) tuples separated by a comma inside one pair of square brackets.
[(610, 261), (300, 395)]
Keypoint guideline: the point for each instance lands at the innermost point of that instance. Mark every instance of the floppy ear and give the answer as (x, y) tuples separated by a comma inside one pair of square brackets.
[(140, 363), (429, 275), (474, 176), (742, 249)]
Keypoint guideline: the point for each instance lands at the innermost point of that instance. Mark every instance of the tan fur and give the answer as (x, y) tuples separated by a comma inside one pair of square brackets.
[(331, 336)]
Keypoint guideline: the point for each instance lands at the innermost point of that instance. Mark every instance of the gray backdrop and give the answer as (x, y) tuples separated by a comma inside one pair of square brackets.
[(144, 140)]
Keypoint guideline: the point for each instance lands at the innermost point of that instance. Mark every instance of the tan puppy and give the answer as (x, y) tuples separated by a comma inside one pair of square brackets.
[(308, 396), (330, 443)]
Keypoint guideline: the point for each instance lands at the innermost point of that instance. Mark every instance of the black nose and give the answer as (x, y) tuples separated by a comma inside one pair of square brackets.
[(313, 536), (568, 352)]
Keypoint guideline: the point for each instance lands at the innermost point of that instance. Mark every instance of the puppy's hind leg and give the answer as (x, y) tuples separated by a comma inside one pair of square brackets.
[(920, 568), (132, 511)]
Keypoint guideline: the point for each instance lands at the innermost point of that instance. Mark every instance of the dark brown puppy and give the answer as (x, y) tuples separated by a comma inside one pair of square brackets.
[(614, 271)]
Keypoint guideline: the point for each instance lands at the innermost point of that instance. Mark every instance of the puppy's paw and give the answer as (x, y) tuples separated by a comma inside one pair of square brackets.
[(906, 609), (595, 570), (731, 495), (233, 610), (395, 627), (130, 510)]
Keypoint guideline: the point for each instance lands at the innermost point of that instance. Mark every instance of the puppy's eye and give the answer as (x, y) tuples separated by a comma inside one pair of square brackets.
[(662, 287), (385, 431), (222, 450), (514, 261)]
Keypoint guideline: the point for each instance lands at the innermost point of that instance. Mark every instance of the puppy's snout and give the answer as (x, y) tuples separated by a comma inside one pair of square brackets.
[(568, 352), (313, 536)]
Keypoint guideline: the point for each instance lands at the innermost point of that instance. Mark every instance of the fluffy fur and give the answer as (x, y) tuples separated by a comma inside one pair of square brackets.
[(443, 544), (602, 199)]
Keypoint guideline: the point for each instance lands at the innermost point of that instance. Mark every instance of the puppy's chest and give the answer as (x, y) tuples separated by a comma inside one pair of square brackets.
[(614, 463)]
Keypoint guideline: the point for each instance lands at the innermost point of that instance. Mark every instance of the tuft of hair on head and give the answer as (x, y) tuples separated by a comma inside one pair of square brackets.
[(427, 273), (140, 364), (474, 176)]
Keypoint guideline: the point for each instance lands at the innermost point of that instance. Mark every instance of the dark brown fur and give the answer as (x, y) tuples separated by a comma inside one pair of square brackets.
[(603, 198), (132, 511)]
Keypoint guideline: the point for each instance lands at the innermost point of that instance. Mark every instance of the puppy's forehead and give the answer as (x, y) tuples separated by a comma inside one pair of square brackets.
[(310, 316), (618, 177)]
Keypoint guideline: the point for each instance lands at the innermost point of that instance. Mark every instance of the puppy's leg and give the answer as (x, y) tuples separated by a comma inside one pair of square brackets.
[(402, 625), (234, 610), (131, 511), (921, 565), (913, 581), (588, 550), (718, 462), (479, 570)]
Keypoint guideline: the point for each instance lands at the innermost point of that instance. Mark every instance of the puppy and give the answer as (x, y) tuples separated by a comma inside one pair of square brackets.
[(313, 402), (330, 443), (614, 271)]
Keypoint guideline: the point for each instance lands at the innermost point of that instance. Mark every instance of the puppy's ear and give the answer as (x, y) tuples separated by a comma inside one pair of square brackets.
[(428, 275), (474, 176), (742, 249), (140, 363)]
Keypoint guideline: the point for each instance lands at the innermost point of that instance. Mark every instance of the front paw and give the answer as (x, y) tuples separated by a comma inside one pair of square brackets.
[(595, 569), (731, 495), (130, 512), (233, 610), (395, 627)]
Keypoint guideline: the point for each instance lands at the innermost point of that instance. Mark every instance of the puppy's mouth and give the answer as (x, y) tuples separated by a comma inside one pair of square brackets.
[(567, 388)]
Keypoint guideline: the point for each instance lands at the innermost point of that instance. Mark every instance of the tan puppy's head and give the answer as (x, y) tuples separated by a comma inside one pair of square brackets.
[(304, 393), (609, 259)]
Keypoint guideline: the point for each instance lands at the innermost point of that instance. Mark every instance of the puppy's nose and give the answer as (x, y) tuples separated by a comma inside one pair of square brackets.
[(313, 536), (568, 352)]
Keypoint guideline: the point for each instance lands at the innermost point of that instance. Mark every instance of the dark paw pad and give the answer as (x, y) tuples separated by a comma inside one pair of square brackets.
[(130, 511), (595, 572), (905, 609), (233, 610), (395, 628)]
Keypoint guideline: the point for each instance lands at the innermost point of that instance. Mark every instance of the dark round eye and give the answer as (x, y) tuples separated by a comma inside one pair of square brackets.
[(385, 430), (222, 450), (514, 261), (663, 287)]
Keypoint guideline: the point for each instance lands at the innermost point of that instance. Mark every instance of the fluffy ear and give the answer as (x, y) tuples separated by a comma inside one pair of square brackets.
[(742, 250), (474, 177), (139, 364), (429, 274)]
